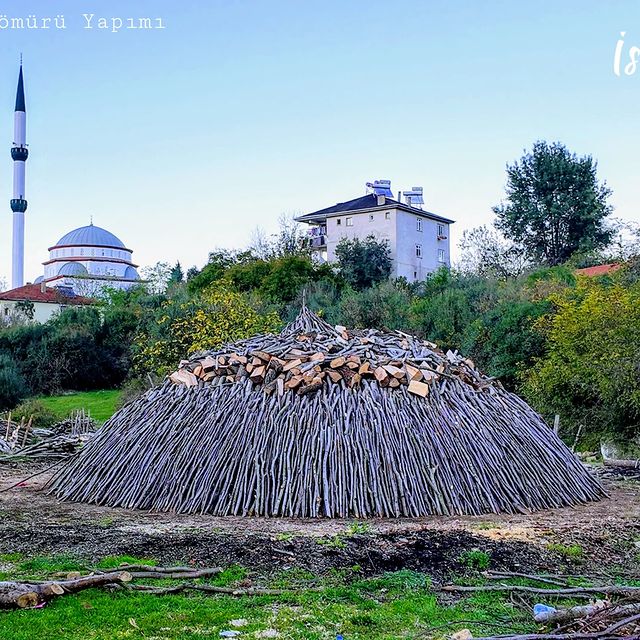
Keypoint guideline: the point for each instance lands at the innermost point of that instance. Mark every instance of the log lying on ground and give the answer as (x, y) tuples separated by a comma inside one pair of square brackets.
[(24, 595), (623, 464), (611, 611), (321, 421)]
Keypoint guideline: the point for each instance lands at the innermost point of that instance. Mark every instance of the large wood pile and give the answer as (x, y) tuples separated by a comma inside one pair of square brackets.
[(321, 421)]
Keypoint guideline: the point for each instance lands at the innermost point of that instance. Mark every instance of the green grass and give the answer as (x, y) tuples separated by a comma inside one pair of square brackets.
[(395, 605), (475, 559), (571, 552), (100, 404)]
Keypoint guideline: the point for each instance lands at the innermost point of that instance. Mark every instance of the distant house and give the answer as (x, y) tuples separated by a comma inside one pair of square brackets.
[(599, 270), (37, 302), (418, 239)]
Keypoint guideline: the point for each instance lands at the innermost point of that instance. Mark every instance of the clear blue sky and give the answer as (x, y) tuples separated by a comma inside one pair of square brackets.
[(185, 139)]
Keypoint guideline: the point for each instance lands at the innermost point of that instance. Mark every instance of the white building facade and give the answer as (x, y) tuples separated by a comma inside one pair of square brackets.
[(418, 240)]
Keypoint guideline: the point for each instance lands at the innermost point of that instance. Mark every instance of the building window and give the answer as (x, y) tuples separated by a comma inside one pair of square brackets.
[(371, 217), (387, 215), (440, 255), (349, 222), (441, 231), (338, 221), (418, 251), (415, 275), (419, 224)]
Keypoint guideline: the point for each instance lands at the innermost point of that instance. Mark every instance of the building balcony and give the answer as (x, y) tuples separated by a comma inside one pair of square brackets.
[(318, 242)]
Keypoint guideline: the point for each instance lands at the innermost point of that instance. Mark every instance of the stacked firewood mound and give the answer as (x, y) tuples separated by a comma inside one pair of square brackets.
[(324, 421)]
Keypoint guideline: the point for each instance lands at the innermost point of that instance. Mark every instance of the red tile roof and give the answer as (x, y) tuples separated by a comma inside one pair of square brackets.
[(599, 270), (35, 293)]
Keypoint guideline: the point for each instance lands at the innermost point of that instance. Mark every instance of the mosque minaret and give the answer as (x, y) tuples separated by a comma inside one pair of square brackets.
[(19, 153)]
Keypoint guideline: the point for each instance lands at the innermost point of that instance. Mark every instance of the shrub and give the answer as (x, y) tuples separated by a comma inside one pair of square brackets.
[(42, 416), (384, 305), (13, 386), (208, 321), (589, 373)]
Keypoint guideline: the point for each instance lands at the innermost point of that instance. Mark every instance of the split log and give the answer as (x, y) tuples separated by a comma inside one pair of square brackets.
[(393, 371), (381, 374), (413, 373), (418, 388), (292, 364), (365, 368)]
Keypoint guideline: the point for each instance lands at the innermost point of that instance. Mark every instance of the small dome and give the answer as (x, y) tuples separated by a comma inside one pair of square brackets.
[(38, 280), (131, 273), (90, 235), (73, 269)]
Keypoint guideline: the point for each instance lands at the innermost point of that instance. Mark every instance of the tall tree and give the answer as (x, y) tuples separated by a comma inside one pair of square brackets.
[(363, 263), (176, 275), (555, 205), (486, 253)]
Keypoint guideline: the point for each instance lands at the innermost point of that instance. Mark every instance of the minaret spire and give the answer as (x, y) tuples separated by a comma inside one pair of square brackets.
[(19, 153)]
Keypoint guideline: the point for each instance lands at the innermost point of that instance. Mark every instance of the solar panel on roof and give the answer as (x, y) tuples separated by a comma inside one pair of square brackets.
[(380, 188)]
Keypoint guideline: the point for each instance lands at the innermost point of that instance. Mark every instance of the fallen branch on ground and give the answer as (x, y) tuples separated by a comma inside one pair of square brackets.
[(616, 590), (26, 595), (207, 588), (506, 575)]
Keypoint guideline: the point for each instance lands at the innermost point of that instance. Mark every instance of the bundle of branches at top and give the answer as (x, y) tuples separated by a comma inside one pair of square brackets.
[(22, 440), (311, 352)]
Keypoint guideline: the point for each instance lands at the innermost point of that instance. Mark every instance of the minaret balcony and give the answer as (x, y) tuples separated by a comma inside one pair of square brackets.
[(18, 205), (19, 153)]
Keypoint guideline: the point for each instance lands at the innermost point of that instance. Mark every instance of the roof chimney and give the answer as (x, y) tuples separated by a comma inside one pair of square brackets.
[(43, 287), (381, 199)]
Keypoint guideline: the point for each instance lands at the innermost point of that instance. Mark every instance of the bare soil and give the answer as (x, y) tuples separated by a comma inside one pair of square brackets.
[(608, 532)]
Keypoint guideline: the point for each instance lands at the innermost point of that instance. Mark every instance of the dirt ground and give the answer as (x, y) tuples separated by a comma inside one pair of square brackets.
[(608, 533)]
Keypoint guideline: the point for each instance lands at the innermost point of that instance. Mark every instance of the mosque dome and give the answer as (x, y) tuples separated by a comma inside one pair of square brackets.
[(92, 236), (131, 273), (73, 269)]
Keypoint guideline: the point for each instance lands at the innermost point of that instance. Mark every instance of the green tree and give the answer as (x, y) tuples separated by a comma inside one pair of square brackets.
[(555, 205), (503, 342), (220, 261), (176, 275), (363, 263)]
